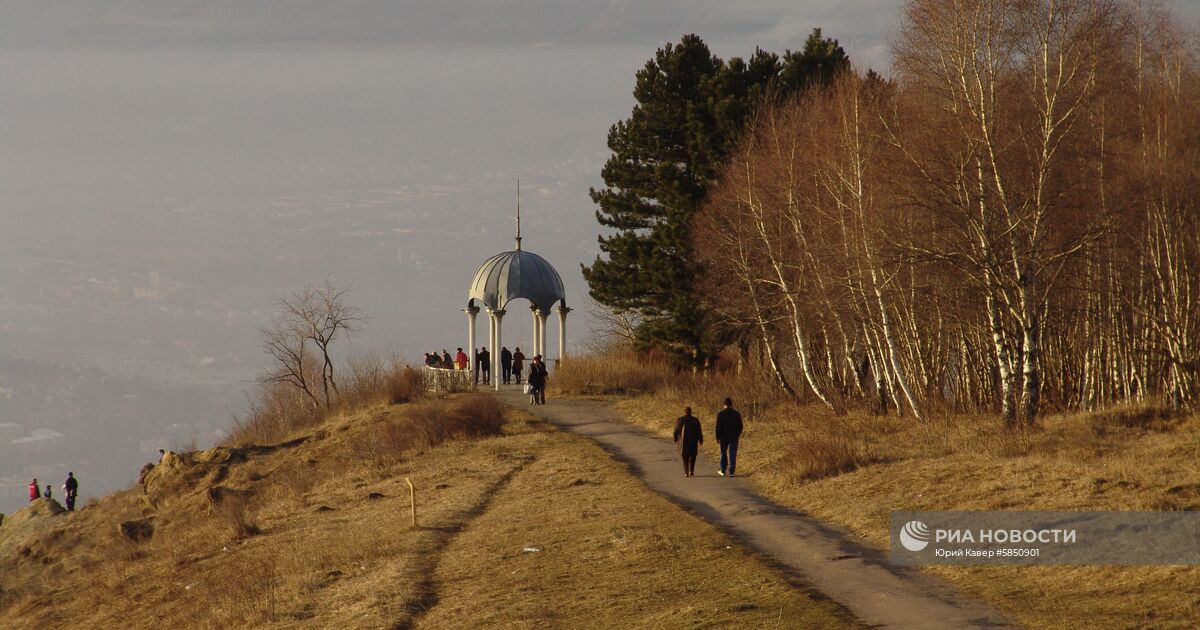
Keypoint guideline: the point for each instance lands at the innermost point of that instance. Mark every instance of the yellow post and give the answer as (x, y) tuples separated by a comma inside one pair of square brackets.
[(412, 500)]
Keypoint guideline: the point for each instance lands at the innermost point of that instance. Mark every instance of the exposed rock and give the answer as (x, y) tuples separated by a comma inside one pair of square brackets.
[(137, 530), (142, 475), (37, 509), (219, 455)]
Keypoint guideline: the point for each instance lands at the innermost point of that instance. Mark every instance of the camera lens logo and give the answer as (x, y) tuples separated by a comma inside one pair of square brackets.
[(914, 535)]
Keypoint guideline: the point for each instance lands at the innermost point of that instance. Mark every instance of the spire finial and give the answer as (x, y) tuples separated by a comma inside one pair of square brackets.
[(518, 215)]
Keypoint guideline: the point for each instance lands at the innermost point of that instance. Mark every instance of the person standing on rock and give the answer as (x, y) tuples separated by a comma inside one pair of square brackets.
[(71, 487), (35, 491), (47, 495), (518, 364), (688, 438), (506, 360), (729, 431)]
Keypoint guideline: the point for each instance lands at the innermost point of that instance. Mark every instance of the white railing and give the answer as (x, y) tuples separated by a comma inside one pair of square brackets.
[(447, 380)]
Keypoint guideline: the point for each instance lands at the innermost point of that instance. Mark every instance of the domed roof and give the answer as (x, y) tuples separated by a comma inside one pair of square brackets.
[(513, 275)]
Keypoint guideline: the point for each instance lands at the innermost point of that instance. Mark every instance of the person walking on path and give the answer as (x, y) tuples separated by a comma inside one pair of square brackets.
[(537, 381), (71, 487), (518, 364), (688, 437), (485, 364), (506, 360), (35, 490), (461, 360), (729, 431)]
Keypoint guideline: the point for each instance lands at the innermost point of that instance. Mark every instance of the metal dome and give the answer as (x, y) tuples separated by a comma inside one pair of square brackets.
[(513, 275)]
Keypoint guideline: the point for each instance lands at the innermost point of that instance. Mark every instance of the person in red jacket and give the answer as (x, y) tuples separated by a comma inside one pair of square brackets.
[(461, 360), (35, 491)]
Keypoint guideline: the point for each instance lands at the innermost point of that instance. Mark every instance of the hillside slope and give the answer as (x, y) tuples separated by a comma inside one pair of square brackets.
[(518, 526)]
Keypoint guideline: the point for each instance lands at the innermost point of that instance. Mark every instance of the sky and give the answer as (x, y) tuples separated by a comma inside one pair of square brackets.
[(168, 167)]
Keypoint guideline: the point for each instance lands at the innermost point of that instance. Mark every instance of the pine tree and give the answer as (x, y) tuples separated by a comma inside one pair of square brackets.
[(691, 108)]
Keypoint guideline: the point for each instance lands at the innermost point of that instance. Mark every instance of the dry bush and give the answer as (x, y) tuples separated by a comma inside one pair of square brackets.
[(1137, 418), (472, 416), (374, 381), (426, 424), (829, 449), (239, 512)]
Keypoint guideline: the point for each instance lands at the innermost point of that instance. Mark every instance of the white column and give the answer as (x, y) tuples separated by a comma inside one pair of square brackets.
[(471, 312), (497, 317), (491, 333), (562, 330), (542, 317), (533, 310)]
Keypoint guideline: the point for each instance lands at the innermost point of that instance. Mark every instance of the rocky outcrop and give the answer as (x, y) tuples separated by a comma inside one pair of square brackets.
[(36, 510), (175, 471), (138, 530)]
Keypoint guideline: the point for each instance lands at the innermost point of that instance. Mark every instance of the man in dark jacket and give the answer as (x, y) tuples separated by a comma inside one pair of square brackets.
[(729, 431), (71, 486), (485, 364), (688, 438), (505, 364)]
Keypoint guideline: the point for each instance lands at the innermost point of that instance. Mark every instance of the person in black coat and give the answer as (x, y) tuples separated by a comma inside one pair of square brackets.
[(729, 431), (71, 486), (485, 364), (518, 364), (688, 438), (537, 381), (505, 364)]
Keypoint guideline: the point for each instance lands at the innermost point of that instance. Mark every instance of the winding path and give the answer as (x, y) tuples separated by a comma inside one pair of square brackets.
[(824, 555)]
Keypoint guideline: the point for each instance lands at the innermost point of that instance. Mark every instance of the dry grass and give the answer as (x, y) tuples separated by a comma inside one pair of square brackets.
[(333, 546), (611, 373), (603, 552), (856, 469), (828, 450)]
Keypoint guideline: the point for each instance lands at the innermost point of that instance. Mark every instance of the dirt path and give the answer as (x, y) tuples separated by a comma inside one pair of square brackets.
[(830, 559)]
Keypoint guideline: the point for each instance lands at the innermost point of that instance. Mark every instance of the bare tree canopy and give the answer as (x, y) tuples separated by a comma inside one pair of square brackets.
[(1010, 224), (300, 337)]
